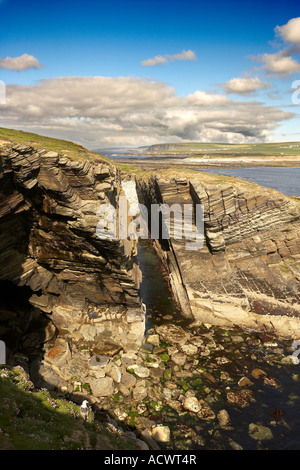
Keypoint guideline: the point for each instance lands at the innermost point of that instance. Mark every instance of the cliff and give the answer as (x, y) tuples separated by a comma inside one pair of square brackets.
[(247, 272), (63, 289)]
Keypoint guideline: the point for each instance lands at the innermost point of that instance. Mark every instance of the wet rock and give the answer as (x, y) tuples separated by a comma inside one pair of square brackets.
[(259, 432), (245, 382), (208, 376), (173, 334), (290, 360), (223, 418), (191, 404), (197, 341), (234, 445), (241, 398), (205, 412), (258, 373)]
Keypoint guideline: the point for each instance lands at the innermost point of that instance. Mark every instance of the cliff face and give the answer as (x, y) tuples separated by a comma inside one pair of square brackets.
[(50, 254), (248, 271)]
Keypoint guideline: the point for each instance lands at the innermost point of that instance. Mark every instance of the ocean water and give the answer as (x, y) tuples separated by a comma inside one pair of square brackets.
[(284, 179)]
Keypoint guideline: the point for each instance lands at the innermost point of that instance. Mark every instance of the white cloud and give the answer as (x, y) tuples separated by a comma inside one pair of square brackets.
[(244, 85), (281, 63), (290, 32), (165, 59), (203, 98), (125, 111), (23, 62)]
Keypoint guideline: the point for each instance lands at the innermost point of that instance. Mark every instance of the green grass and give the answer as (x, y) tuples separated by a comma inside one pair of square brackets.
[(32, 419), (64, 147), (277, 149)]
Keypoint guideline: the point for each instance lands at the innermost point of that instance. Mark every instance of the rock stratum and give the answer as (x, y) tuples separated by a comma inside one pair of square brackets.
[(74, 287), (247, 272), (70, 308)]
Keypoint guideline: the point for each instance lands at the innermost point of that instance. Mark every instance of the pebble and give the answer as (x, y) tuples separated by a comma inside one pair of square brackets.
[(244, 382), (259, 433), (223, 418), (140, 371), (191, 404), (161, 433)]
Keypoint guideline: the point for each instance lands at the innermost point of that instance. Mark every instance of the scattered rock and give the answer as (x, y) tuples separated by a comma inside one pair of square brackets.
[(205, 412), (107, 347), (179, 358), (241, 398), (173, 334), (97, 361), (189, 349), (128, 380), (161, 433), (244, 382), (259, 433), (128, 359), (223, 418), (153, 339), (102, 387), (258, 373), (191, 404), (113, 371), (140, 371)]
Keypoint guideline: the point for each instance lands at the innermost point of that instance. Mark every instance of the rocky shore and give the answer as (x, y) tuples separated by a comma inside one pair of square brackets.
[(201, 387), (222, 376)]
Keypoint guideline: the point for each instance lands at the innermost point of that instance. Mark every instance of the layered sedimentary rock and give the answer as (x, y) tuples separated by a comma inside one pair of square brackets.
[(247, 273), (84, 288)]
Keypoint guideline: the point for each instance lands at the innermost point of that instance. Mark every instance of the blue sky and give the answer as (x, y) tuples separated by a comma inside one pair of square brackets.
[(116, 97)]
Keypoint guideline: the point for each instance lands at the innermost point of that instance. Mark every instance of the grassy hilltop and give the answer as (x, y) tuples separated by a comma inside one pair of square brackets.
[(64, 147), (199, 149)]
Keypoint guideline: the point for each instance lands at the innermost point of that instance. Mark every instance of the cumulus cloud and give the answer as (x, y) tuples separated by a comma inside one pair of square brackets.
[(21, 63), (280, 64), (165, 59), (244, 85), (290, 32), (125, 111)]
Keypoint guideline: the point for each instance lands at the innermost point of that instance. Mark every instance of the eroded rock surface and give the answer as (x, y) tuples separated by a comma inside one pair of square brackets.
[(247, 272), (85, 286)]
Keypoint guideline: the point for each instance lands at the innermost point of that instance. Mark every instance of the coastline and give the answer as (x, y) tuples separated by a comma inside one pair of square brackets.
[(163, 162)]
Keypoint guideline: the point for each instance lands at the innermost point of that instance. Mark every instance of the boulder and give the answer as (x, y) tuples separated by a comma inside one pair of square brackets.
[(102, 387)]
